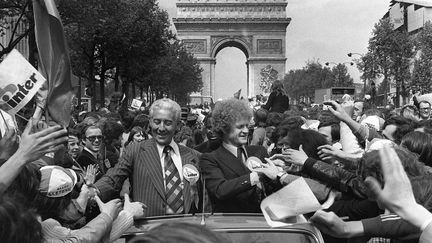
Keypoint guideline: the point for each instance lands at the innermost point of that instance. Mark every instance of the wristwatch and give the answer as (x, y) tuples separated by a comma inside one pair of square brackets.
[(280, 175)]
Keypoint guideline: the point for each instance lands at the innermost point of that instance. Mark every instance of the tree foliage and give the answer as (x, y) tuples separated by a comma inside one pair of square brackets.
[(302, 83), (389, 54), (16, 17), (124, 42), (422, 72)]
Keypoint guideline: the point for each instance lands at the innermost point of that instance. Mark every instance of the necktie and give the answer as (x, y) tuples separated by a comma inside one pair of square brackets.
[(173, 190), (241, 155)]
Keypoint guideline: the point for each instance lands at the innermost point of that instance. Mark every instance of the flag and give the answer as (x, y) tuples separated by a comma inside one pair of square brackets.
[(54, 61), (237, 94)]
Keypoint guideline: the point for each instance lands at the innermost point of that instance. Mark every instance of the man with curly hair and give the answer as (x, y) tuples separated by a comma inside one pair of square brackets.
[(232, 187)]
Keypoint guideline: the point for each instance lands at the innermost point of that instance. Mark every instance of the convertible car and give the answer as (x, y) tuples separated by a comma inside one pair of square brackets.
[(236, 228)]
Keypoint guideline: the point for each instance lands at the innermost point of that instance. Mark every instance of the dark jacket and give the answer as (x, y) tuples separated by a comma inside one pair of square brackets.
[(277, 103), (336, 177), (228, 181)]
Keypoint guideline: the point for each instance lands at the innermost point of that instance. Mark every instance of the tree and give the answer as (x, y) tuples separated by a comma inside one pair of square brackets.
[(389, 55), (341, 76), (301, 84), (16, 18), (116, 41), (422, 72)]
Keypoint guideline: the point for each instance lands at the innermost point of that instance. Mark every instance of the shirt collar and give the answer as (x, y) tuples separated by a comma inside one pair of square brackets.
[(174, 146), (231, 148), (91, 152)]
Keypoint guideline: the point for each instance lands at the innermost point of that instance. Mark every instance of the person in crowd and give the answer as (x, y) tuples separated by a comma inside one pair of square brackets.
[(142, 120), (329, 127), (213, 141), (278, 100), (92, 139), (419, 143), (56, 191), (33, 145), (425, 110), (259, 134), (8, 129), (112, 142), (136, 135), (395, 127), (231, 185), (18, 224), (74, 144), (395, 193), (387, 225), (156, 167), (67, 157), (181, 233), (397, 196), (410, 112), (424, 126), (358, 110)]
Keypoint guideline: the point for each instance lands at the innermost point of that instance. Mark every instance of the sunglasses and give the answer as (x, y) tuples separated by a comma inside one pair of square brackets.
[(93, 138)]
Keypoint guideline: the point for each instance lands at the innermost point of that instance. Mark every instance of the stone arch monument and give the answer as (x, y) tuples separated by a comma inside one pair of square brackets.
[(256, 27)]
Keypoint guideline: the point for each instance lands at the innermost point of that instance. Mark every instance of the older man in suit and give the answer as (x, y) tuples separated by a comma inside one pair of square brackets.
[(231, 185), (163, 174)]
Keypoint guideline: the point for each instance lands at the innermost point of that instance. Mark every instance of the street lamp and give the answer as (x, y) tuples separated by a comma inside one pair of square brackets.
[(354, 53)]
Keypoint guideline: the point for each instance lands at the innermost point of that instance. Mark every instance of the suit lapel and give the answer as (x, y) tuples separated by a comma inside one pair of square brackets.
[(187, 158), (231, 161), (154, 167)]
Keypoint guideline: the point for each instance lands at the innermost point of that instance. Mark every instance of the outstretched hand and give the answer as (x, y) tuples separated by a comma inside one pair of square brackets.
[(297, 157), (329, 223), (269, 169), (337, 110), (328, 152), (111, 208), (135, 208), (35, 145)]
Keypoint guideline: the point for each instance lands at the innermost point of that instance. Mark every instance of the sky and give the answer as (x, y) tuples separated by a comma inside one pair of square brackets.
[(320, 30)]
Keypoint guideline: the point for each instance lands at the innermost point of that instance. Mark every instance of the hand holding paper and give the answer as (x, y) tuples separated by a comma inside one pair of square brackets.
[(292, 200)]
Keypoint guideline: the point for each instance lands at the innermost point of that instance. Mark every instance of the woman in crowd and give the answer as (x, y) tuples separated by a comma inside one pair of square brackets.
[(136, 135), (278, 100)]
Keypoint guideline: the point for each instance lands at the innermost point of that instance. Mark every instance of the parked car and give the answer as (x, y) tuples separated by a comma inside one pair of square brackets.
[(238, 228)]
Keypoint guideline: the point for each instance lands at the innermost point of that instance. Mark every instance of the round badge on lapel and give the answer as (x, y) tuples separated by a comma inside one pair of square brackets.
[(254, 163), (190, 173)]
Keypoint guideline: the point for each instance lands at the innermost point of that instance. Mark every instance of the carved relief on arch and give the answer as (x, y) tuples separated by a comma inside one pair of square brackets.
[(195, 46)]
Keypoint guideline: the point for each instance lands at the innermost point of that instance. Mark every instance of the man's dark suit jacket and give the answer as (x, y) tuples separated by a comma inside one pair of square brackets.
[(86, 158), (141, 163), (228, 181)]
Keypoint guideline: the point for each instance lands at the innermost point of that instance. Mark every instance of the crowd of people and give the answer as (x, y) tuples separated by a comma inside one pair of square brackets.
[(87, 182)]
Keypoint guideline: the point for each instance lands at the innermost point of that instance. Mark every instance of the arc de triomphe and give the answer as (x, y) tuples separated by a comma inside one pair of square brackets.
[(257, 27)]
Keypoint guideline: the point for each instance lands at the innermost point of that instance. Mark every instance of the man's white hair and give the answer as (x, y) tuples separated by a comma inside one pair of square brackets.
[(166, 104)]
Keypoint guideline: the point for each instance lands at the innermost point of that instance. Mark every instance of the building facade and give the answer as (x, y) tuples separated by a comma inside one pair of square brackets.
[(256, 27), (410, 14)]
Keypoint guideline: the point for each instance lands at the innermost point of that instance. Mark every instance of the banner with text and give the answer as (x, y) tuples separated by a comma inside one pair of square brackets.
[(19, 82)]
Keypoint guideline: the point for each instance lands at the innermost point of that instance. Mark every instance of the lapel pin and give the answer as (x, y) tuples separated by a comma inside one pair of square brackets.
[(254, 163), (190, 173)]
